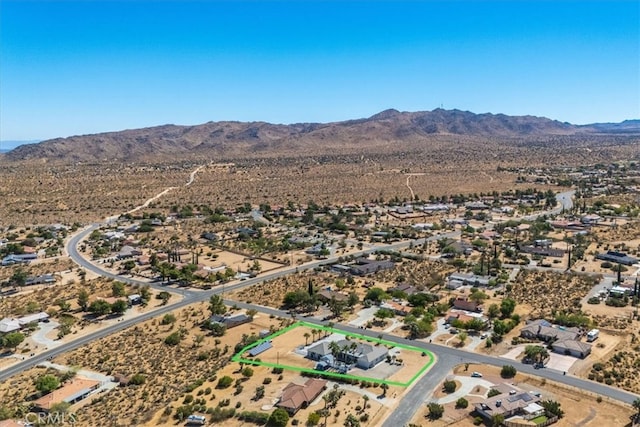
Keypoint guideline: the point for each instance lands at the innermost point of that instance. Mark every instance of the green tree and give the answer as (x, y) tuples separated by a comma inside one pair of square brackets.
[(19, 277), (436, 411), (100, 307), (497, 420), (507, 307), (216, 305), (508, 371), (83, 299), (47, 383), (351, 421), (449, 386), (313, 419), (278, 418), (552, 408), (462, 403), (118, 289), (493, 311), (119, 306), (636, 405), (13, 340)]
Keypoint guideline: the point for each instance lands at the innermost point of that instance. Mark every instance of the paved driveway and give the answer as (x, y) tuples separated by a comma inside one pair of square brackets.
[(560, 362), (40, 336)]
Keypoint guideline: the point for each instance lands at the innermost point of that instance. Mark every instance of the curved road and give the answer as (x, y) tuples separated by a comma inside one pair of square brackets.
[(447, 357)]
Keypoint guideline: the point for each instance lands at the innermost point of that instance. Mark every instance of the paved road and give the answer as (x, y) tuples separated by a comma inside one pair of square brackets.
[(456, 356), (447, 356)]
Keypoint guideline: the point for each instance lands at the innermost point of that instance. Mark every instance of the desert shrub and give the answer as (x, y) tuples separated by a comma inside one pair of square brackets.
[(593, 300), (224, 382), (137, 379), (477, 421), (435, 410), (462, 403), (173, 339), (508, 371), (266, 380), (255, 417), (449, 386)]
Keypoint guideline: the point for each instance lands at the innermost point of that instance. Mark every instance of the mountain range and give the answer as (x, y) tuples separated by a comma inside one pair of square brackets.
[(229, 139)]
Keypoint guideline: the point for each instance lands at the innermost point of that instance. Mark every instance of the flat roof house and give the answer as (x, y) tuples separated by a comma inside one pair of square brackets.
[(619, 257)]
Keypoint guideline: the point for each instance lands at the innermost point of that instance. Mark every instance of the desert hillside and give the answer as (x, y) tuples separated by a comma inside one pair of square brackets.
[(388, 131)]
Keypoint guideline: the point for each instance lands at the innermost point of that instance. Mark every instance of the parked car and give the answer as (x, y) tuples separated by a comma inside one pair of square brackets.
[(476, 374)]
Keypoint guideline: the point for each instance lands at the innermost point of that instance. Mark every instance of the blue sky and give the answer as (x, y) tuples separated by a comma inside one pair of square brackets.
[(78, 67)]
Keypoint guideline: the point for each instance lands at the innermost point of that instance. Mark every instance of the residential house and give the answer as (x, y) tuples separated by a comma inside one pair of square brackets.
[(230, 321), (469, 279), (364, 266), (618, 257), (327, 295), (399, 309), (543, 330), (128, 252), (45, 279), (572, 348), (8, 325), (523, 404), (464, 304), (72, 392), (406, 288), (296, 396), (18, 259), (363, 355)]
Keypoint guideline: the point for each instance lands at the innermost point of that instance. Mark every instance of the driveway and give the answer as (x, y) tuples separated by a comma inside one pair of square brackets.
[(560, 362), (467, 384), (365, 315), (40, 336)]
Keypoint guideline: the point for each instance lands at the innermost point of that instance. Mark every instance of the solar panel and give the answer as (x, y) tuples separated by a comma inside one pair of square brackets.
[(260, 348)]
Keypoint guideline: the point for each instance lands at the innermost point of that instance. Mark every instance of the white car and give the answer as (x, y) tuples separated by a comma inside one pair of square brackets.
[(476, 374)]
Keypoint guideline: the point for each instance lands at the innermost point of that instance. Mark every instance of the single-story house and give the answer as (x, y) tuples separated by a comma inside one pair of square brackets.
[(404, 287), (522, 403), (618, 257), (469, 279), (364, 267), (572, 348), (31, 318), (363, 355), (296, 396), (8, 325), (230, 321), (12, 259), (464, 304), (543, 330), (327, 295), (44, 279), (72, 392), (128, 252), (399, 309)]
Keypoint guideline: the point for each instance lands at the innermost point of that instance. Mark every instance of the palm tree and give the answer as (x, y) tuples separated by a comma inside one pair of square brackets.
[(314, 332), (306, 338), (365, 398)]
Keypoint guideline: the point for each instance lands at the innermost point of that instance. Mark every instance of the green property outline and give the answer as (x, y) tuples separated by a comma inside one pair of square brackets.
[(238, 357)]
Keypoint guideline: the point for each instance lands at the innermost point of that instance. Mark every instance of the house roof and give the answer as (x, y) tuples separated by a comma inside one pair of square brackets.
[(465, 304), (572, 345), (9, 325), (67, 393), (327, 294), (10, 423), (505, 404), (295, 395), (36, 317)]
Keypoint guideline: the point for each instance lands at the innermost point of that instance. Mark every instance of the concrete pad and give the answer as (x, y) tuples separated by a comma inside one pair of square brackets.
[(560, 362)]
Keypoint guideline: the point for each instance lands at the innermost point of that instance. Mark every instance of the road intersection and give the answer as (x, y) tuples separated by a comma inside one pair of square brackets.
[(446, 357)]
